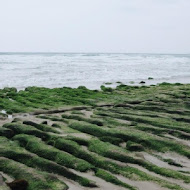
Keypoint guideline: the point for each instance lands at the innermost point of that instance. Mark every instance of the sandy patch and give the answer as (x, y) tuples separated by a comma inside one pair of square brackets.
[(102, 185), (7, 177), (156, 161), (181, 141), (141, 185), (123, 121), (184, 161), (81, 135), (171, 180), (87, 114)]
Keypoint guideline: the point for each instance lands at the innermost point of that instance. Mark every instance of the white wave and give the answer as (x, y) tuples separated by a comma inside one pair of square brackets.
[(92, 70)]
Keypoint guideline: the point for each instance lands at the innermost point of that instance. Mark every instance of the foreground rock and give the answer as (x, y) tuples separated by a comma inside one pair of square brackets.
[(20, 184)]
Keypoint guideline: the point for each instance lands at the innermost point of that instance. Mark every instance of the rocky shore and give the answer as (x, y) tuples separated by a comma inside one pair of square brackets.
[(128, 137)]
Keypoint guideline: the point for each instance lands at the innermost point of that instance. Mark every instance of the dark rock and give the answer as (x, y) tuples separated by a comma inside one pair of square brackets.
[(108, 83), (135, 102), (142, 82), (56, 125), (135, 147), (171, 132), (20, 184), (45, 122)]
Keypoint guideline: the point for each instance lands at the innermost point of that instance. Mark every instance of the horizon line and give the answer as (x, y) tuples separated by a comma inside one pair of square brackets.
[(54, 52)]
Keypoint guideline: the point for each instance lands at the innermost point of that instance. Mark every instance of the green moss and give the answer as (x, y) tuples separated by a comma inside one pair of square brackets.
[(106, 149), (37, 180), (110, 178), (53, 118), (113, 140), (79, 118), (12, 150), (41, 127), (106, 89), (101, 162), (144, 139), (134, 146), (33, 98), (18, 128), (140, 116), (6, 132), (38, 147)]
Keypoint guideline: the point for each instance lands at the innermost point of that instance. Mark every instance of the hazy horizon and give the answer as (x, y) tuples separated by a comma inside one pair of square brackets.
[(96, 26), (46, 52)]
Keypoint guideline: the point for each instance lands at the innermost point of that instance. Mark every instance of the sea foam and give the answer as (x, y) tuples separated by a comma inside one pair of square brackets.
[(21, 70)]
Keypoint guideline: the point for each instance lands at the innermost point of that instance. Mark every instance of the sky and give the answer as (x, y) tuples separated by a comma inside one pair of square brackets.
[(115, 26)]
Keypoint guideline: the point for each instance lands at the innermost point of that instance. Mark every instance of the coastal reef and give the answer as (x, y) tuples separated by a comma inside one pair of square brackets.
[(128, 137)]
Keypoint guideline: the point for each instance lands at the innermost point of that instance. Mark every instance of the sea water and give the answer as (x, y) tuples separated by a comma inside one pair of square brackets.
[(51, 70)]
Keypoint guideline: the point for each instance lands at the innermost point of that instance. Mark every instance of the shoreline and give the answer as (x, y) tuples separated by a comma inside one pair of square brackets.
[(112, 84)]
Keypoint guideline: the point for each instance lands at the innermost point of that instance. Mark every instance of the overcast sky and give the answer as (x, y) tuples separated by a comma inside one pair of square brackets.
[(152, 26)]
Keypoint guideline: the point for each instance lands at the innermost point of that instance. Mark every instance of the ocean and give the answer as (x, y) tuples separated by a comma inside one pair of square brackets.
[(51, 70)]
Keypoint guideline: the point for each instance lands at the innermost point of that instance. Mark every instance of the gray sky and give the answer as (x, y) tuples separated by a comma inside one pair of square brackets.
[(152, 26)]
